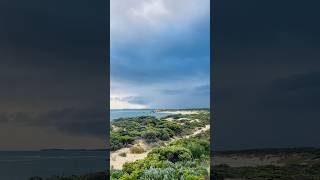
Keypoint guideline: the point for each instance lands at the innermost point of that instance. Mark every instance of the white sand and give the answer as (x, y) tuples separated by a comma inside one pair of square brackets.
[(117, 161), (207, 127), (181, 112)]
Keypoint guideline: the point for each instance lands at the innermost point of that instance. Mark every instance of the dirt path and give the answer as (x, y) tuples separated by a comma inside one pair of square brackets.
[(207, 127)]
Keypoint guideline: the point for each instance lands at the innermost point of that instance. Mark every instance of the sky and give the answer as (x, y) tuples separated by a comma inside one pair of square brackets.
[(267, 69), (52, 74), (160, 54), (52, 69)]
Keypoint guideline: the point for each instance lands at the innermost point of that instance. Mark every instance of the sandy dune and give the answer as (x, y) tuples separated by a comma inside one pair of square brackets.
[(117, 161)]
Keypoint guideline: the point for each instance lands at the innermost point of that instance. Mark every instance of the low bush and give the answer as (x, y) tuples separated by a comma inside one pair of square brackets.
[(150, 136), (172, 153), (137, 150)]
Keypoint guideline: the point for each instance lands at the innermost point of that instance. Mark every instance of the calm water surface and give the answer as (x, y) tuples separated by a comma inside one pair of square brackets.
[(20, 165), (114, 114)]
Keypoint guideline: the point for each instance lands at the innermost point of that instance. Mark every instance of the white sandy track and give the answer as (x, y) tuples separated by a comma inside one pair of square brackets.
[(207, 127)]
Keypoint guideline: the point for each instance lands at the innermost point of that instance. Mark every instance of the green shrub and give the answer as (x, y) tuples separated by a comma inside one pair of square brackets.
[(123, 154), (173, 153), (164, 135), (116, 174), (150, 136), (136, 150), (159, 174)]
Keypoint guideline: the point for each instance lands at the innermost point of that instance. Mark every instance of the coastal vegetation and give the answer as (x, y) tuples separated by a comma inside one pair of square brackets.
[(177, 151), (184, 158), (125, 131)]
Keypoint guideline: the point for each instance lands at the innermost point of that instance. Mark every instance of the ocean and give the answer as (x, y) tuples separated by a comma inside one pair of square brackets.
[(115, 113), (21, 165)]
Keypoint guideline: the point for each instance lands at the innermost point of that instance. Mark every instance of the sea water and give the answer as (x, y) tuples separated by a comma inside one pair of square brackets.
[(123, 113), (21, 165)]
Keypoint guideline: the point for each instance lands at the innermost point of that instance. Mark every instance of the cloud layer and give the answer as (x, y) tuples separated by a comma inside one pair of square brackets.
[(267, 69), (157, 47), (52, 74)]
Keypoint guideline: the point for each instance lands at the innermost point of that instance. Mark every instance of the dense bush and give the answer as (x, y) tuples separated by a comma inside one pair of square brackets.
[(159, 174), (136, 150), (173, 153), (116, 174), (117, 141), (164, 134), (150, 136), (126, 130), (197, 147), (192, 170)]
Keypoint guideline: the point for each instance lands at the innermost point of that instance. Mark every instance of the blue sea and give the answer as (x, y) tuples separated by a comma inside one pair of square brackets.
[(21, 165), (114, 114)]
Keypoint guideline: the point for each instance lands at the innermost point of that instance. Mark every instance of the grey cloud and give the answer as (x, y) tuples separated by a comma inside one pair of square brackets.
[(266, 87), (172, 91), (137, 100), (73, 121), (133, 99)]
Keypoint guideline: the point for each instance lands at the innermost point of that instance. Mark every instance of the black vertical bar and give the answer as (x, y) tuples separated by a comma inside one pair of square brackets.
[(108, 88), (212, 87)]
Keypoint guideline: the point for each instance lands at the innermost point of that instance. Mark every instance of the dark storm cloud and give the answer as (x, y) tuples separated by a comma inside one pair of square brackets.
[(53, 65), (136, 100), (58, 27), (133, 99), (267, 74), (4, 118), (48, 47), (296, 92), (164, 57), (203, 89), (72, 121)]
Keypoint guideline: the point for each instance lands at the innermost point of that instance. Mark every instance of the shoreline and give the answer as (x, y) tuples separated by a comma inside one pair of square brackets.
[(183, 112)]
